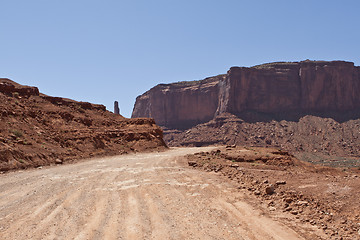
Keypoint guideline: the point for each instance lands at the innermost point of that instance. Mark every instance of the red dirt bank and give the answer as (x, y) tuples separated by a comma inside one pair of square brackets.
[(36, 129), (323, 197)]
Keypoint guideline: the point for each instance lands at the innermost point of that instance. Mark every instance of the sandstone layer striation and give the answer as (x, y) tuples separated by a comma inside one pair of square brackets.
[(273, 91), (37, 130), (180, 105)]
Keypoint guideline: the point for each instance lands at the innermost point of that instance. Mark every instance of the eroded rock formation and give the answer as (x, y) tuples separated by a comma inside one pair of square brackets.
[(36, 129), (274, 91), (116, 107), (180, 105)]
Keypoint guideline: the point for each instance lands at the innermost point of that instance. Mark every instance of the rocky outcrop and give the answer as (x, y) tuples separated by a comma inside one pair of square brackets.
[(320, 138), (274, 91), (180, 105), (11, 88), (291, 90), (37, 130), (116, 107)]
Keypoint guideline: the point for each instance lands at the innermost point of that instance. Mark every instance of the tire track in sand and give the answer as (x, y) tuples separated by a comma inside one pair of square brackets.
[(139, 196), (133, 220)]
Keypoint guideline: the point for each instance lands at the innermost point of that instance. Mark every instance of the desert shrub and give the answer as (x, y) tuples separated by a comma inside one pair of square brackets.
[(17, 133), (15, 94)]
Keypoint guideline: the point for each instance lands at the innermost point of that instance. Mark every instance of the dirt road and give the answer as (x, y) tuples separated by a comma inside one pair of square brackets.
[(140, 196)]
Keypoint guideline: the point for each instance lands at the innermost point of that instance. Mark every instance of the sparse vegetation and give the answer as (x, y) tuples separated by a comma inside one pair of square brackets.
[(16, 132), (15, 94), (274, 64)]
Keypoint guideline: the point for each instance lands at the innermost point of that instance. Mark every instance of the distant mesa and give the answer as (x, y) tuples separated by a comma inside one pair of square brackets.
[(272, 91), (310, 108)]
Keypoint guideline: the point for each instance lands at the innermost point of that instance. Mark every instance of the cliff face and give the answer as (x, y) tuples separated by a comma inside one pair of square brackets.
[(264, 90), (260, 93), (180, 105), (333, 86), (291, 90)]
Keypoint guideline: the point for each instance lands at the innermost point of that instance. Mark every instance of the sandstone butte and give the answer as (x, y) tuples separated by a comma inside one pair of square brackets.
[(37, 130), (273, 91)]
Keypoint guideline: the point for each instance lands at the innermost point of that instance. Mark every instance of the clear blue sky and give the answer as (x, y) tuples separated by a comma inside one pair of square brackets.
[(106, 50)]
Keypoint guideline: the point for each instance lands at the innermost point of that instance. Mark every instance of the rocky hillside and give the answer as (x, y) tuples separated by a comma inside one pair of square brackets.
[(274, 91), (311, 108), (323, 197), (37, 130), (313, 139)]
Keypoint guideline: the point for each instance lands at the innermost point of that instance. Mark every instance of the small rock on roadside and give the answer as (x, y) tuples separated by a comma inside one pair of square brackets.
[(294, 212), (192, 163), (270, 190), (58, 161), (302, 203), (288, 209), (280, 182), (343, 221), (231, 146), (271, 208)]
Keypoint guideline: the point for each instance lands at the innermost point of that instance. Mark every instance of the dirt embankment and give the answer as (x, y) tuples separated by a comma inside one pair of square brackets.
[(313, 139), (324, 197), (37, 130)]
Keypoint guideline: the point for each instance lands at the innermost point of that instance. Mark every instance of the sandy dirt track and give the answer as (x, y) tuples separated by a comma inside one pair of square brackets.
[(140, 196)]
